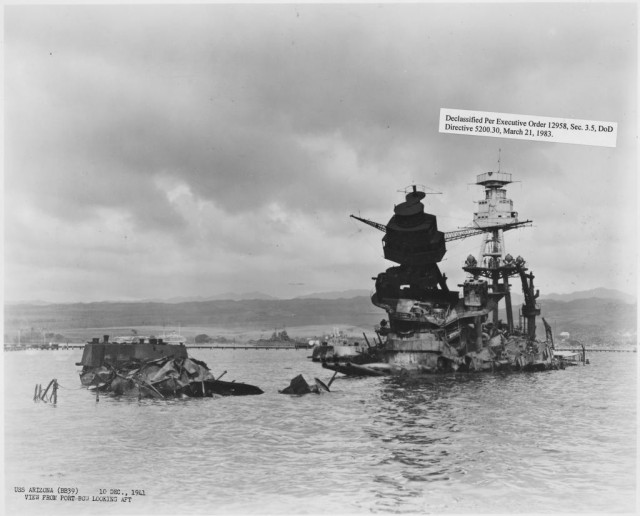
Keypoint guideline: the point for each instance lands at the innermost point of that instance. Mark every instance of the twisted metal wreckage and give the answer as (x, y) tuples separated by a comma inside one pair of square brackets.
[(432, 329), (152, 369)]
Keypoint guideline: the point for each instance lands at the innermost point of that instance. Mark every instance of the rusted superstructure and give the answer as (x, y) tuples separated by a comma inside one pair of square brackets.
[(432, 328)]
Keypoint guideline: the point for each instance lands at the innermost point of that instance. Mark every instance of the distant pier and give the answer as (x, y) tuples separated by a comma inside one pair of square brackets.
[(246, 346), (56, 347), (616, 350)]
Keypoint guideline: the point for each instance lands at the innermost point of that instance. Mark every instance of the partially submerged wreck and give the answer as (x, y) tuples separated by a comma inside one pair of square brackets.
[(152, 368), (341, 350), (432, 329), (299, 386)]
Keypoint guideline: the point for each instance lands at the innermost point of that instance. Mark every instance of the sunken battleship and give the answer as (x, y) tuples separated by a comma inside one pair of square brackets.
[(433, 329)]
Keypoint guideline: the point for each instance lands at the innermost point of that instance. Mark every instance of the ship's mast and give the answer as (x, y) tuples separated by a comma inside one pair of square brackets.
[(494, 211)]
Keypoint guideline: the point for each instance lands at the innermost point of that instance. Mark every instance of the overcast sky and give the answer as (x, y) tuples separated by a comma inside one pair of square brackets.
[(161, 151)]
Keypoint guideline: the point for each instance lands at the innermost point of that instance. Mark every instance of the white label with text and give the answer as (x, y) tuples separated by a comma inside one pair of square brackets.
[(528, 127)]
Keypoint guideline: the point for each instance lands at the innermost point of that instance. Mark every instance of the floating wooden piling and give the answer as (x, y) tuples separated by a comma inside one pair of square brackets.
[(333, 378), (44, 394), (40, 395)]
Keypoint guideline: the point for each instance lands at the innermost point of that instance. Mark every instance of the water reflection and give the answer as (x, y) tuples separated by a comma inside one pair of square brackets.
[(562, 441), (502, 434)]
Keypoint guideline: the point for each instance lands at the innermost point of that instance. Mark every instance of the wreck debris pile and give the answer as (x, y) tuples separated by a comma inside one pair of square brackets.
[(338, 353), (41, 395), (299, 386), (152, 369), (432, 329)]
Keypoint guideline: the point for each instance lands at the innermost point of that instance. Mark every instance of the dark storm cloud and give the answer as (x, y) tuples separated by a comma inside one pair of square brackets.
[(222, 100), (194, 121)]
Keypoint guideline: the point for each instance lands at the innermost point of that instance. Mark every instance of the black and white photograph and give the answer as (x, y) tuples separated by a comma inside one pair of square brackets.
[(320, 258)]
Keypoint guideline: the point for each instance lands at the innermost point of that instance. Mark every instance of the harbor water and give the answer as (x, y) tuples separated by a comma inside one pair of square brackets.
[(552, 442)]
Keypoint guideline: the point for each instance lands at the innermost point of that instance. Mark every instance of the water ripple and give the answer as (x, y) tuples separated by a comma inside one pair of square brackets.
[(561, 441)]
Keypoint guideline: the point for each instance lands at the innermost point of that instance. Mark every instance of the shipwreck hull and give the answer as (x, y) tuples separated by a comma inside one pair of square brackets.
[(346, 354), (432, 329), (349, 369), (173, 388), (433, 352), (432, 357), (429, 353), (152, 370)]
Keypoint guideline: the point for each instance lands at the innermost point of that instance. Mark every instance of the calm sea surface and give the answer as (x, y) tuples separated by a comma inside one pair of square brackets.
[(561, 441)]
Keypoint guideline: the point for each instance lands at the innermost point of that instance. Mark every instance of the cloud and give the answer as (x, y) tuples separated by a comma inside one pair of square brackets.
[(238, 138)]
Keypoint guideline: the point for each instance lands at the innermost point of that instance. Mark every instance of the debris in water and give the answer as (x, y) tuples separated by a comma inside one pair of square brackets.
[(299, 386), (152, 369)]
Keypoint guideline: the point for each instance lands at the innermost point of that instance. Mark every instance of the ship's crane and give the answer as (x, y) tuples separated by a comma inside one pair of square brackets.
[(371, 223), (473, 231), (458, 234)]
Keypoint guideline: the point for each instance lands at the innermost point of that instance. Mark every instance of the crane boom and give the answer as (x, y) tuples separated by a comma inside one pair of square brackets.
[(458, 234), (469, 232), (371, 223)]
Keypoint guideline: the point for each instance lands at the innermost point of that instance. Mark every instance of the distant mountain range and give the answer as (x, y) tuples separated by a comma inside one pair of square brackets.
[(601, 293), (594, 293), (341, 294), (581, 309), (230, 296)]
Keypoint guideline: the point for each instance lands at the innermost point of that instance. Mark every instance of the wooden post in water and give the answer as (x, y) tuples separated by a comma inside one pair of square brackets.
[(44, 394), (332, 378)]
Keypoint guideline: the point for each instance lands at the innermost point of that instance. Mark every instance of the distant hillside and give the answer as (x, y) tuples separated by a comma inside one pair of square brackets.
[(602, 293), (341, 294), (225, 313), (597, 293), (231, 296), (516, 296), (592, 320)]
